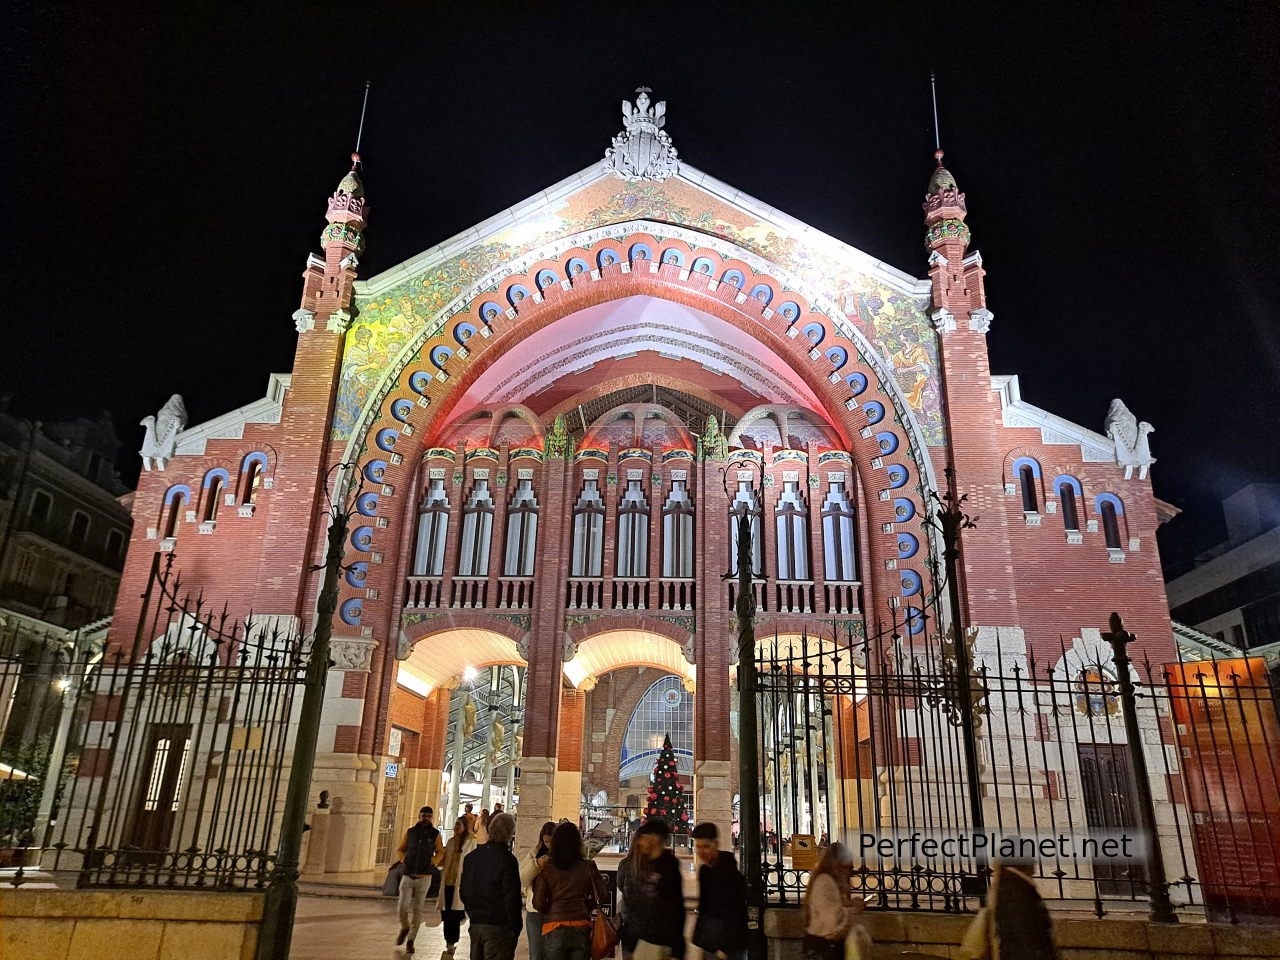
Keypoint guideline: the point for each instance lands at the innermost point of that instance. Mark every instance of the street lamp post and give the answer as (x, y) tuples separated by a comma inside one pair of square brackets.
[(748, 753), (281, 903)]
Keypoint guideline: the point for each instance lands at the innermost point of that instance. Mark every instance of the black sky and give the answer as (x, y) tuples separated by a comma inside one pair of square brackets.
[(169, 171)]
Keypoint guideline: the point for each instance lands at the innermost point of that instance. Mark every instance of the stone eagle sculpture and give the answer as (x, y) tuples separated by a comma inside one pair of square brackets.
[(1130, 437), (160, 442)]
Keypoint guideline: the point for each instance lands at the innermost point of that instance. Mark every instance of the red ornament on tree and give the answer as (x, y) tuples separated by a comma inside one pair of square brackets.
[(666, 796)]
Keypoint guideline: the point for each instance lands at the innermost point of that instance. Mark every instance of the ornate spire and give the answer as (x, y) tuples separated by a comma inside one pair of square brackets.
[(328, 280), (643, 150), (944, 210)]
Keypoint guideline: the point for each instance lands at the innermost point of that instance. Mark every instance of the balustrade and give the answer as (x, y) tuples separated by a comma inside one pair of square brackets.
[(584, 593), (422, 592), (469, 592), (515, 593), (678, 594), (761, 588), (842, 596), (630, 593), (794, 596)]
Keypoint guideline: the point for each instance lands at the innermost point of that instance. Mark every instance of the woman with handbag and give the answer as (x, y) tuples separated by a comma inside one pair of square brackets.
[(653, 895), (533, 863), (831, 915), (565, 893), (450, 903)]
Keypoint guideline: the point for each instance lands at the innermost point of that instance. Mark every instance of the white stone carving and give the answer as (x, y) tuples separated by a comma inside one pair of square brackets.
[(1132, 448), (160, 442), (339, 321), (304, 319), (980, 320), (643, 150), (351, 653), (944, 321)]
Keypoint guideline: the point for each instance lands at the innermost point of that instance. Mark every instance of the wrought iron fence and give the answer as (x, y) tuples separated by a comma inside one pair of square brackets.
[(163, 764), (861, 741)]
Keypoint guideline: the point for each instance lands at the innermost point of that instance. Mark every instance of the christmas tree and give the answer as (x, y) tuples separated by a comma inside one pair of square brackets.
[(666, 796)]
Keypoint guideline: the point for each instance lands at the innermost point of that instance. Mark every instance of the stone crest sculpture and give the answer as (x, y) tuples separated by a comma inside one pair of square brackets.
[(559, 444), (715, 445), (1130, 437), (643, 150), (160, 442)]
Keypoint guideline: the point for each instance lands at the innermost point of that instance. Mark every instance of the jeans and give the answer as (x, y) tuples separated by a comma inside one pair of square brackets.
[(451, 917), (533, 930), (567, 943), (492, 942), (413, 899)]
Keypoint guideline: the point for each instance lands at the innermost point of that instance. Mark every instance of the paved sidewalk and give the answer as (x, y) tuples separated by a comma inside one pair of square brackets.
[(365, 928)]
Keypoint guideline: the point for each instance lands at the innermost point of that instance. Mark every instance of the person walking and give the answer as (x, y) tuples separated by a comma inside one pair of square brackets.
[(450, 904), (534, 862), (481, 827), (421, 852), (653, 924), (721, 927), (1014, 924), (468, 811), (565, 894), (830, 912), (491, 891)]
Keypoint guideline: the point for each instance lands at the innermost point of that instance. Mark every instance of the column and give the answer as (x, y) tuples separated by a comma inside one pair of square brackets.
[(568, 782)]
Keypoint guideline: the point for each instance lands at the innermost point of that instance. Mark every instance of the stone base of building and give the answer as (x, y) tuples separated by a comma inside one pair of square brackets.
[(939, 934), (140, 924)]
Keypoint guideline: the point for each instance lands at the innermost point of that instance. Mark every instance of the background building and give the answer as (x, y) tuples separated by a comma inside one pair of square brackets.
[(553, 421)]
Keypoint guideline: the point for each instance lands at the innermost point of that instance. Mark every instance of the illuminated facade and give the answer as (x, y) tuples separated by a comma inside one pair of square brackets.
[(542, 413)]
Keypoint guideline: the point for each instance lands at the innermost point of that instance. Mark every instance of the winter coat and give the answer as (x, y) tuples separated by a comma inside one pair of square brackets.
[(491, 887), (722, 906), (654, 903), (458, 847)]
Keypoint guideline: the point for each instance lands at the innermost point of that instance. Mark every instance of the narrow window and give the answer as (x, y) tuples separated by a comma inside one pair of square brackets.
[(1111, 525), (522, 531), (633, 532), (250, 481), (173, 513), (839, 542), (41, 505), (588, 532), (477, 532), (115, 544), (79, 526), (792, 521), (213, 497), (744, 501), (433, 529), (1070, 512), (677, 532), (1027, 479)]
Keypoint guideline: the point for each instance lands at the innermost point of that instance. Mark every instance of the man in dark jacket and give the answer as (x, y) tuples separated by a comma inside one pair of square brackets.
[(420, 853), (721, 927), (491, 893)]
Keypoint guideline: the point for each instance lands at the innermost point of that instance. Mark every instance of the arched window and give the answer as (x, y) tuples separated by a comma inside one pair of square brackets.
[(40, 507), (175, 503), (433, 530), (522, 531), (1068, 490), (1027, 481), (251, 478), (666, 709), (745, 501), (633, 532), (212, 497), (1110, 523), (677, 532), (792, 521), (588, 532), (839, 541), (477, 531)]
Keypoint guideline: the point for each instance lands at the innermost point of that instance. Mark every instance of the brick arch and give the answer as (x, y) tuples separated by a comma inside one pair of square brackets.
[(622, 381), (638, 622), (450, 620), (438, 391)]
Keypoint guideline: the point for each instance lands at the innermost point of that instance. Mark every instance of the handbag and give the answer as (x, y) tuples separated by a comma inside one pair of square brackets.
[(391, 886), (604, 935)]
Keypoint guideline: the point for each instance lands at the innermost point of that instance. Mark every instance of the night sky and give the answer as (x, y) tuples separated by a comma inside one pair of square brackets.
[(168, 173)]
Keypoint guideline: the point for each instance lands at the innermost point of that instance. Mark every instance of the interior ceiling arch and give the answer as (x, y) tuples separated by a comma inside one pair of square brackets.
[(616, 649), (630, 326), (441, 657)]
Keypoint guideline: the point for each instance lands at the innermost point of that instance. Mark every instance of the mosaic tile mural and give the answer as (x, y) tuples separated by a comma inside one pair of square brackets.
[(894, 322)]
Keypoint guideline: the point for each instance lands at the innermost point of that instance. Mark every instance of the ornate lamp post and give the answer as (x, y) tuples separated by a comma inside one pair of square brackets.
[(748, 753), (281, 904)]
